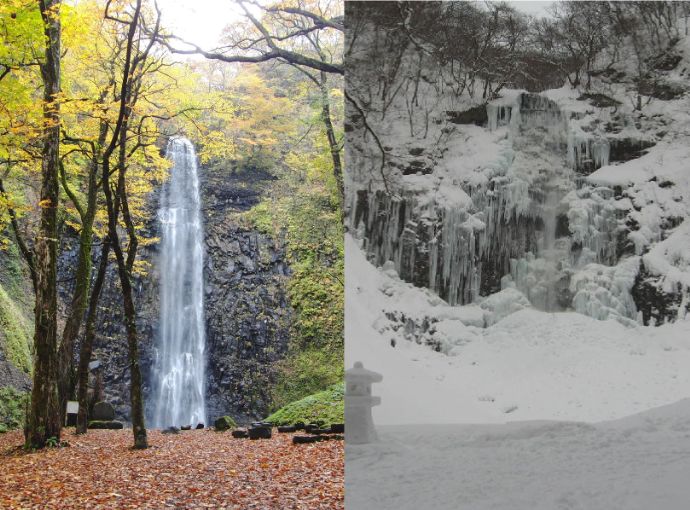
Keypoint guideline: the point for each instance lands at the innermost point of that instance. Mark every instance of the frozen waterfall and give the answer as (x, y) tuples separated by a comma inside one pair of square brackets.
[(536, 225), (179, 371)]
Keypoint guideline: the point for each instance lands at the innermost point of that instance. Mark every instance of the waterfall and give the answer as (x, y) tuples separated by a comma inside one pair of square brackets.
[(179, 378)]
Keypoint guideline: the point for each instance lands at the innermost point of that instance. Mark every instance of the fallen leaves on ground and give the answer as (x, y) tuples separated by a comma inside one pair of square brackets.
[(193, 469)]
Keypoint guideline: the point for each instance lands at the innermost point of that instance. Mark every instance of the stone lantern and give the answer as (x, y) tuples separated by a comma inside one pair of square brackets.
[(359, 425)]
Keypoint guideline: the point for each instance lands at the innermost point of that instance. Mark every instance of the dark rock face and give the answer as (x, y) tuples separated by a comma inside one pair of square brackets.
[(625, 149), (246, 306), (476, 116), (12, 376), (110, 343), (247, 310), (441, 253)]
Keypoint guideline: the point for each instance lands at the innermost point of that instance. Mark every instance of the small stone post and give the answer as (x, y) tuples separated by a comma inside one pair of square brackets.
[(359, 424)]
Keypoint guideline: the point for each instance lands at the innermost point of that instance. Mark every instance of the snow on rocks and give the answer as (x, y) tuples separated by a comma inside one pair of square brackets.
[(670, 259)]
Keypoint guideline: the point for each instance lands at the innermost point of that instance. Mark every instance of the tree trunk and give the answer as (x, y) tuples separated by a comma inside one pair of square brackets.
[(332, 141), (120, 135), (87, 342), (44, 420), (66, 377), (79, 298), (136, 395)]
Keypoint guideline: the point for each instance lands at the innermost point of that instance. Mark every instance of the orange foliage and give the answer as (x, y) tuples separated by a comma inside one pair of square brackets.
[(193, 469)]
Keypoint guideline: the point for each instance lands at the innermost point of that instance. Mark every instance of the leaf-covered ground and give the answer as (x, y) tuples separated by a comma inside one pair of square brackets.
[(193, 469)]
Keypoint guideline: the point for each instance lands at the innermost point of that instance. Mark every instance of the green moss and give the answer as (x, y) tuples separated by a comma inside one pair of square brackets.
[(304, 372), (326, 407), (261, 218), (16, 300), (12, 407), (224, 423), (15, 333), (306, 216)]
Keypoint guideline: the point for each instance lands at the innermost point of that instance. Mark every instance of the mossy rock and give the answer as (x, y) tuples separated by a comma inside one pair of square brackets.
[(109, 425), (224, 423), (320, 408)]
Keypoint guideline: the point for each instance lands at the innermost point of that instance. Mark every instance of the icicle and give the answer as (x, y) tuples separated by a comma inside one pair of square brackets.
[(498, 115)]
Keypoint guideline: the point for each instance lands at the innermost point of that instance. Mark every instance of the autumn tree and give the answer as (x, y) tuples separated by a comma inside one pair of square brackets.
[(44, 417)]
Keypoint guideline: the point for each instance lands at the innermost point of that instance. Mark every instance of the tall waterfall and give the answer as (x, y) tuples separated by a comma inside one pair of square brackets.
[(179, 378)]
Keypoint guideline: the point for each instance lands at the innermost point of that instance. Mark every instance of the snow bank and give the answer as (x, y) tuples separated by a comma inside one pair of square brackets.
[(528, 365)]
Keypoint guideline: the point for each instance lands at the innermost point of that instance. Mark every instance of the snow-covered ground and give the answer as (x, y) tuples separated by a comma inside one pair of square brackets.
[(528, 368), (638, 463)]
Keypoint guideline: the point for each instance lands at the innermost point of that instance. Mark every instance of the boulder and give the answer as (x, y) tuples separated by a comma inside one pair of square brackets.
[(305, 439), (103, 411), (171, 430), (200, 426), (287, 428), (224, 423), (240, 433), (338, 428), (259, 433), (319, 431), (313, 426)]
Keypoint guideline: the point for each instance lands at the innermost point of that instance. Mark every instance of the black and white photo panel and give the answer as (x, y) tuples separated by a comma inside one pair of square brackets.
[(517, 255)]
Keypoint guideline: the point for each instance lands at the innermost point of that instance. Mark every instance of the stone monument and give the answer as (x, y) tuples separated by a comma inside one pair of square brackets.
[(358, 403)]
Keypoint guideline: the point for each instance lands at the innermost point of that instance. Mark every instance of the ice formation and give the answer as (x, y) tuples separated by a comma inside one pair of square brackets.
[(530, 225)]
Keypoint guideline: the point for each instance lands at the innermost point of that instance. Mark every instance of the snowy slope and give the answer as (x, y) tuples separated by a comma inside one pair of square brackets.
[(529, 365)]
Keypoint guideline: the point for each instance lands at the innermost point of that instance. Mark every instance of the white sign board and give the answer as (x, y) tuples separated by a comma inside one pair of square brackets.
[(72, 407)]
